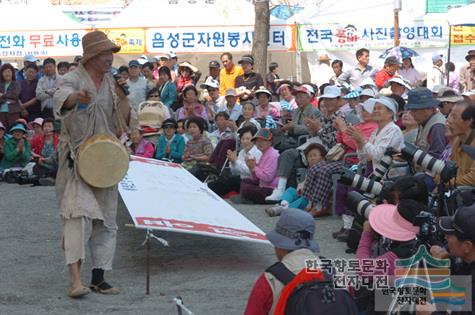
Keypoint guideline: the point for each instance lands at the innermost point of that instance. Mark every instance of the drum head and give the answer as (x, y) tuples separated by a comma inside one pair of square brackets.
[(102, 161)]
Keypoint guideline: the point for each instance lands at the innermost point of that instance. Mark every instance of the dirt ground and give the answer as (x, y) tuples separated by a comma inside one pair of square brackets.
[(213, 276)]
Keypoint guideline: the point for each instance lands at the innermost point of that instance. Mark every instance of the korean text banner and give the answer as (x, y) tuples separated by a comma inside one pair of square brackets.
[(131, 40), (16, 44), (353, 36), (165, 196), (463, 35), (215, 39)]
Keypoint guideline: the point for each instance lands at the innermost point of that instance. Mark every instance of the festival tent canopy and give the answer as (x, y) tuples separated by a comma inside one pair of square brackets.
[(36, 17)]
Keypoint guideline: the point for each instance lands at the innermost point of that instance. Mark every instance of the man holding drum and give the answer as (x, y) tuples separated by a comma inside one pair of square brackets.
[(94, 112)]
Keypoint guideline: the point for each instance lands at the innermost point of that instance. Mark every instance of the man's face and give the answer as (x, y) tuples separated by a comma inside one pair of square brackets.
[(302, 99), (439, 63), (337, 69), (285, 92), (472, 63), (102, 62), (227, 63), (147, 73), (364, 58), (134, 71), (221, 123), (332, 105), (457, 125), (164, 62), (30, 74), (246, 67), (397, 88), (213, 93), (49, 69), (263, 99), (214, 72), (421, 115), (458, 248), (62, 70), (231, 100), (446, 108)]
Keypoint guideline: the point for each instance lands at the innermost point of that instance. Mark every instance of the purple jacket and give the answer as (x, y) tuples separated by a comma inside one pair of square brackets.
[(266, 170)]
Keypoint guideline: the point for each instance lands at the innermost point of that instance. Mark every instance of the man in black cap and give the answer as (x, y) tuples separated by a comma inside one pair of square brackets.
[(249, 81), (467, 72), (214, 69), (459, 232)]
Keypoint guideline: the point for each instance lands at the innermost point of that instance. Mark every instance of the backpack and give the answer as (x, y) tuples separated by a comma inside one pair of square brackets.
[(310, 293)]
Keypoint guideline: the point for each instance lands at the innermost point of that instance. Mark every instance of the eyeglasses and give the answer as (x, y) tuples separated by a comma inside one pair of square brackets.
[(154, 95)]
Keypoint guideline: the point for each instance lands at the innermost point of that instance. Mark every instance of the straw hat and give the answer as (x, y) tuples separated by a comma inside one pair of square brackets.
[(94, 43)]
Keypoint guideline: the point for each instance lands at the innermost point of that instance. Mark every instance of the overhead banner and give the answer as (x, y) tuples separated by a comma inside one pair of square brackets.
[(312, 37), (443, 6), (463, 35), (131, 40), (164, 196), (215, 39), (16, 44)]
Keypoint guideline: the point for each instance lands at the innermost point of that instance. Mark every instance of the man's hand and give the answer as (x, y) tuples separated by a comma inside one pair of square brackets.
[(313, 125), (231, 155), (439, 252)]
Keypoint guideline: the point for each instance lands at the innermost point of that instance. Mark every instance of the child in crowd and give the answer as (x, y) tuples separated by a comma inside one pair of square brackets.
[(292, 198), (170, 144), (181, 130), (223, 131), (199, 148)]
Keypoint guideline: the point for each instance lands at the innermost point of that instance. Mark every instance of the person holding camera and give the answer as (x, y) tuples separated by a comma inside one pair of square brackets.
[(459, 232)]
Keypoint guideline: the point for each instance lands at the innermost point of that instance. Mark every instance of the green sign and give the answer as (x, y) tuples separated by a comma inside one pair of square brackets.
[(443, 6)]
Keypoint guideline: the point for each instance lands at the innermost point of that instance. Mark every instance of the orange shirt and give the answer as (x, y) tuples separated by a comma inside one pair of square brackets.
[(226, 79)]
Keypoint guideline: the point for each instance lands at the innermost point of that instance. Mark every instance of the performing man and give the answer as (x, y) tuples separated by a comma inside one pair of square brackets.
[(89, 102)]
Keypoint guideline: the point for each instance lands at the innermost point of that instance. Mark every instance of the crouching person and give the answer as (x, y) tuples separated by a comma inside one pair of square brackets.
[(44, 151), (293, 240)]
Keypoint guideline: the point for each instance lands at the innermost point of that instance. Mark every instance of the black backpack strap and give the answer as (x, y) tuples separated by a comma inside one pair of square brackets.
[(282, 273)]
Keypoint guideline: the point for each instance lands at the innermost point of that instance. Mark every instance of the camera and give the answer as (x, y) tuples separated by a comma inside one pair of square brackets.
[(11, 175), (430, 232), (117, 77), (446, 170), (359, 204), (25, 178), (369, 186), (382, 168)]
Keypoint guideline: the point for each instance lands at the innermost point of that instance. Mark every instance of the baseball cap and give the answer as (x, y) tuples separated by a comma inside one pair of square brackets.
[(163, 56), (30, 58), (436, 57), (38, 121), (214, 64), (295, 229), (262, 89), (462, 223), (309, 88), (331, 91), (172, 55), (134, 63), (302, 89), (230, 92), (264, 134), (18, 126), (246, 58)]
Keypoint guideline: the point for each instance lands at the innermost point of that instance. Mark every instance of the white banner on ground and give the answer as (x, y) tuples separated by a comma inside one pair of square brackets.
[(164, 196)]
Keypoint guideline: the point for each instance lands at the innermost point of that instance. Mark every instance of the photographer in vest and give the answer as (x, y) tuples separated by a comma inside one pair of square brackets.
[(293, 240), (430, 135)]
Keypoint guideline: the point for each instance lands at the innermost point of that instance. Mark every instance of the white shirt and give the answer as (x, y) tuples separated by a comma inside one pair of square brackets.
[(389, 137), (137, 91), (435, 77), (411, 75), (239, 167)]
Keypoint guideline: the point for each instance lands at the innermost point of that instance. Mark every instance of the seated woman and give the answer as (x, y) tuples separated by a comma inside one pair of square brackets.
[(44, 150), (292, 197), (152, 112), (264, 108), (16, 150), (139, 145), (247, 117), (170, 145), (191, 107), (3, 137), (199, 148), (239, 169), (319, 183), (263, 173)]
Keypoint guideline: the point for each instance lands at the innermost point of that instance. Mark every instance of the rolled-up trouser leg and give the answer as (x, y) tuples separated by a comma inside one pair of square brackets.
[(76, 232), (102, 245)]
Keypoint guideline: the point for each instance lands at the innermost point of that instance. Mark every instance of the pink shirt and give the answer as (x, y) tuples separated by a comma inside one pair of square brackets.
[(266, 170), (199, 110)]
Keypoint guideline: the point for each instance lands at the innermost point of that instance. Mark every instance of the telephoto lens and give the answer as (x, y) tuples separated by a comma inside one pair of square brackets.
[(446, 170), (382, 169), (360, 182), (358, 203)]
